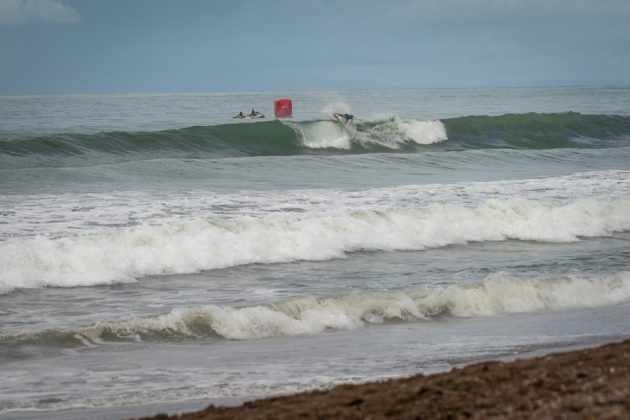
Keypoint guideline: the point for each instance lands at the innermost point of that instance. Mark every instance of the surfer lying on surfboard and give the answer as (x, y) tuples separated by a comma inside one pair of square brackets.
[(346, 117)]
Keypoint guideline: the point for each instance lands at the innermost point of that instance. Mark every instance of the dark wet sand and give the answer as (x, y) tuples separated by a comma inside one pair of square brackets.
[(592, 383)]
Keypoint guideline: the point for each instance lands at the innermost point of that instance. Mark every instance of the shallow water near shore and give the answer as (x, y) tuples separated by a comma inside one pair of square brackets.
[(166, 259)]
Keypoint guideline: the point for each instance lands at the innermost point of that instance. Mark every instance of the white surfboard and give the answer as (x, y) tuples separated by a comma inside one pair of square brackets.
[(347, 127)]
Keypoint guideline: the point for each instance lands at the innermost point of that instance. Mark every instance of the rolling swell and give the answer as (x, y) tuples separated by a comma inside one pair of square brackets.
[(276, 138), (229, 140), (539, 131)]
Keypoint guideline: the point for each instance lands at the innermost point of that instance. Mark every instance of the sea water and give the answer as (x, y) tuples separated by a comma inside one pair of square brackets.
[(156, 254)]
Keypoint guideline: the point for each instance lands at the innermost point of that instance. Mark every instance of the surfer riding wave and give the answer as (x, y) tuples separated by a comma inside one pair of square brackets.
[(346, 117)]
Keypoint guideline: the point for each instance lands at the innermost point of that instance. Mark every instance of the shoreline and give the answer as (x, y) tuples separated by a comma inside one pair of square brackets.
[(592, 382)]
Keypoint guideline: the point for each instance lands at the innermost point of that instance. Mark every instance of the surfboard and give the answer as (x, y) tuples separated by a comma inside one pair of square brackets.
[(350, 131)]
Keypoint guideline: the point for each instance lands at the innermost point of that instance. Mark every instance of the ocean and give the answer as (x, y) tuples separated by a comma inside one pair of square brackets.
[(158, 255)]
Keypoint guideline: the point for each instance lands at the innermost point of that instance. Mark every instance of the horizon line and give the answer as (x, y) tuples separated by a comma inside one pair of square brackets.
[(446, 87)]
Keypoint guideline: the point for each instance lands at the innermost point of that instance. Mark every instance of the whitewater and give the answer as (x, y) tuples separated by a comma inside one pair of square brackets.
[(155, 255)]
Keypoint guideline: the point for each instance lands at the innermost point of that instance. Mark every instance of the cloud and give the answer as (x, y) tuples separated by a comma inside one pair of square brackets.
[(13, 12)]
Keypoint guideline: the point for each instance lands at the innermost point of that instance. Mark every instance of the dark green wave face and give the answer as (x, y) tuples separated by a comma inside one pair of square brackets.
[(539, 131), (529, 131), (222, 140)]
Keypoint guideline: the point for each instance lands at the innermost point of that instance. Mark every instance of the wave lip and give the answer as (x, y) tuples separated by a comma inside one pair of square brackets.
[(123, 255), (500, 293)]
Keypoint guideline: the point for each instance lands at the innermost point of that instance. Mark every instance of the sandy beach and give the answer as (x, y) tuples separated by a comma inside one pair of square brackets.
[(590, 383)]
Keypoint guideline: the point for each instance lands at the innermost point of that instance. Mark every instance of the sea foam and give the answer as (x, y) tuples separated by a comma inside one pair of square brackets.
[(322, 135), (126, 254), (390, 132), (499, 293), (394, 132), (423, 132)]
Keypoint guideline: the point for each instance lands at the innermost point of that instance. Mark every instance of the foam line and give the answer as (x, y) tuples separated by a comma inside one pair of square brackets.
[(499, 293), (123, 255)]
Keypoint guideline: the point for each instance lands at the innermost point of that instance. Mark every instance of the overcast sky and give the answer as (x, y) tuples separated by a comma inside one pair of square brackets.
[(115, 46)]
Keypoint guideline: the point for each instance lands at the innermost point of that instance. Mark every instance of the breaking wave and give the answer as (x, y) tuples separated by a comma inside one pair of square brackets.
[(123, 255), (499, 293), (534, 131)]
